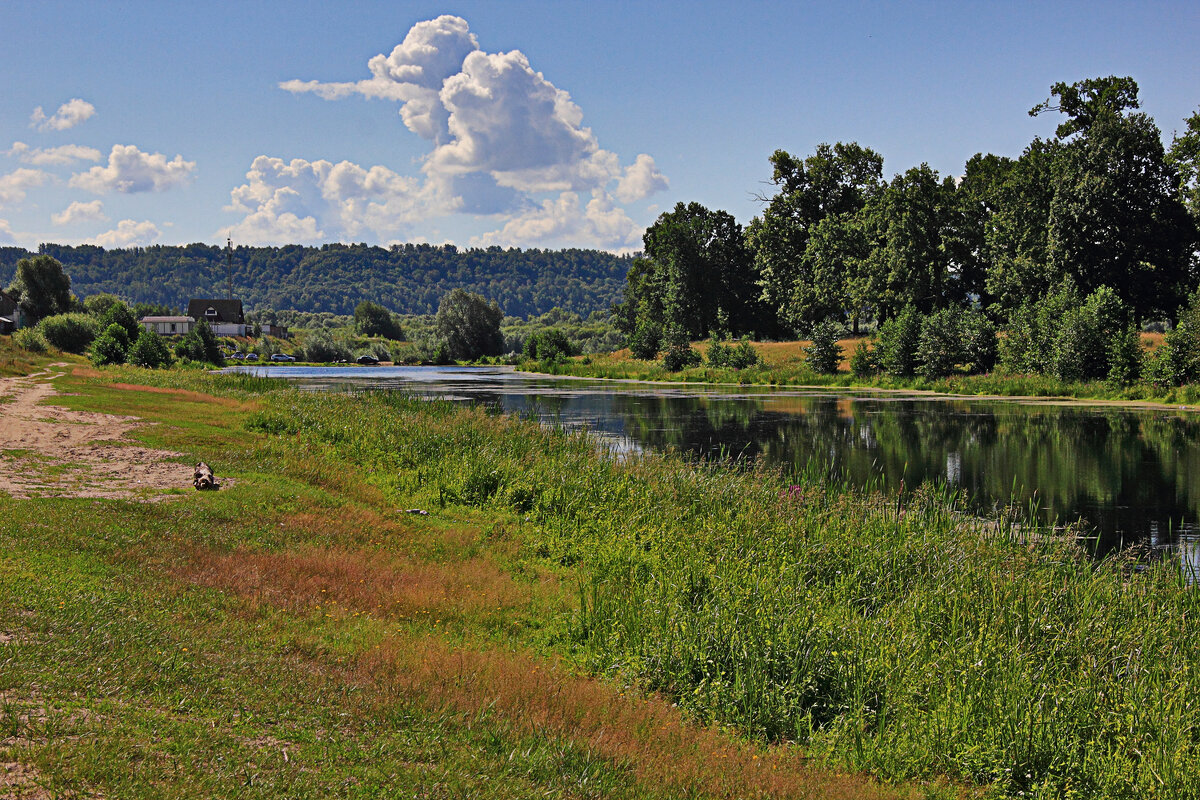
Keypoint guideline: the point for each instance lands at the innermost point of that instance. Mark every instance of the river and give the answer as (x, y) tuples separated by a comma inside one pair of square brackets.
[(1131, 474)]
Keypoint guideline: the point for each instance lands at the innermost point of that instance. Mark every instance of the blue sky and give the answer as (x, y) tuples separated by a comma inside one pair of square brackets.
[(532, 124)]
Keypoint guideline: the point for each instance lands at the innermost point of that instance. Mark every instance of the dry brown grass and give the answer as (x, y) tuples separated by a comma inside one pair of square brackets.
[(649, 734)]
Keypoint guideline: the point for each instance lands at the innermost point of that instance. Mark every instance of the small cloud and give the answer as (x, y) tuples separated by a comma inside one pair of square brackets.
[(130, 170), (641, 180), (14, 185), (6, 233), (69, 114), (80, 212), (128, 233), (52, 156)]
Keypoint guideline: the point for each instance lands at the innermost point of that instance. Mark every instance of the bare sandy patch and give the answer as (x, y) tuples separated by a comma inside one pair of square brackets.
[(50, 451)]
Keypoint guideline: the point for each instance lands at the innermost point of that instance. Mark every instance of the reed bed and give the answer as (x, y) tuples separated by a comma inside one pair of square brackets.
[(890, 633)]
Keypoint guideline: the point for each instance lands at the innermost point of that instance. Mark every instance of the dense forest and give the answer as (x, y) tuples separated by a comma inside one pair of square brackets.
[(408, 279)]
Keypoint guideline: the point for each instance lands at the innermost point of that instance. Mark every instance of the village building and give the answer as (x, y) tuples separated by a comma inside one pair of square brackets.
[(10, 313), (223, 316), (168, 326)]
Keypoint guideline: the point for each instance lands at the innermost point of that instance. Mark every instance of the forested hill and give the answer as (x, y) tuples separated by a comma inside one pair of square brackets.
[(409, 279)]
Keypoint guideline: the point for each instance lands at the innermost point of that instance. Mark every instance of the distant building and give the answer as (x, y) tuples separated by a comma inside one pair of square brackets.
[(223, 316), (271, 329), (10, 313), (168, 326)]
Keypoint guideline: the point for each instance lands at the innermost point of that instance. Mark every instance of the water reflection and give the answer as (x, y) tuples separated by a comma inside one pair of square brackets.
[(1128, 472)]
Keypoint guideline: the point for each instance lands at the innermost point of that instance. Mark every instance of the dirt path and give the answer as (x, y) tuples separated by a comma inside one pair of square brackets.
[(49, 451)]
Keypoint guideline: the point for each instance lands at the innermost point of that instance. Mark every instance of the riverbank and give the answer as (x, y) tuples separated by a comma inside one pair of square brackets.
[(783, 366), (301, 629)]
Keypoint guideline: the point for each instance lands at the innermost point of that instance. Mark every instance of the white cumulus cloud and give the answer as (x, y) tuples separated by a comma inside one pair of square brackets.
[(128, 233), (15, 184), (310, 201), (52, 156), (69, 114), (6, 232), (80, 212), (130, 170), (497, 126), (641, 180), (565, 220)]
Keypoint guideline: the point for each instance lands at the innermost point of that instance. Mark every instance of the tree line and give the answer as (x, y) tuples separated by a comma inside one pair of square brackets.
[(335, 278), (1102, 206)]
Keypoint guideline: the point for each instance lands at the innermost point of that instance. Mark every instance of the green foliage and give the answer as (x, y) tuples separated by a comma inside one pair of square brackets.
[(201, 345), (150, 351), (1125, 357), (864, 361), (322, 348), (679, 353), (470, 325), (111, 346), (897, 342), (980, 348), (97, 304), (647, 340), (550, 344), (30, 339), (940, 345), (824, 354), (72, 333), (1085, 335), (1033, 331), (42, 287), (739, 356), (120, 314), (372, 319)]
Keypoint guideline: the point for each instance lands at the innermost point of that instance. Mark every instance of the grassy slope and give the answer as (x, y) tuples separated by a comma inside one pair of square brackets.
[(296, 635)]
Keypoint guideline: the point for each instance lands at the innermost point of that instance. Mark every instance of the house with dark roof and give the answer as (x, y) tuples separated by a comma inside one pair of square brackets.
[(10, 313), (223, 316)]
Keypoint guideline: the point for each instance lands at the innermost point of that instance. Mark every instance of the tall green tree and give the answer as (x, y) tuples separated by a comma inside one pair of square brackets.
[(470, 325), (700, 271), (1184, 156), (836, 181), (908, 221), (1117, 218), (372, 319), (42, 287)]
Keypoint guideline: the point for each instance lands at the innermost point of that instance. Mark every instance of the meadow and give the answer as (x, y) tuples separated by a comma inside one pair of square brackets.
[(748, 632)]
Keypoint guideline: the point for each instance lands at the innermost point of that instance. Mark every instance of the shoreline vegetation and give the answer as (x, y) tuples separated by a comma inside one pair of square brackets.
[(751, 633)]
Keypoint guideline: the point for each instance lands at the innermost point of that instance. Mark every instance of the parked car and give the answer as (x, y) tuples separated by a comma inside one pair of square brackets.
[(251, 356), (367, 359), (282, 357), (237, 356)]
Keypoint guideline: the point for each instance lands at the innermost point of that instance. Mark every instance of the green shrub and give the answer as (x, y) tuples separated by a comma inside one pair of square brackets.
[(200, 344), (897, 342), (150, 351), (864, 362), (1126, 357), (122, 315), (72, 333), (940, 344), (679, 354), (110, 347), (824, 354), (980, 348), (322, 348), (30, 339), (1085, 335), (550, 344), (743, 355), (646, 341)]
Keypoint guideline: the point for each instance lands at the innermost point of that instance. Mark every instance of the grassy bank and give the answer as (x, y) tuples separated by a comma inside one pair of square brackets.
[(298, 633), (783, 365)]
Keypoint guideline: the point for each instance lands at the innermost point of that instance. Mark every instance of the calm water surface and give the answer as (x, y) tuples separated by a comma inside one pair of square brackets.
[(1133, 475)]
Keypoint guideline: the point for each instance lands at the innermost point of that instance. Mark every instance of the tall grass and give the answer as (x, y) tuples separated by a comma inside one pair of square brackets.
[(889, 633)]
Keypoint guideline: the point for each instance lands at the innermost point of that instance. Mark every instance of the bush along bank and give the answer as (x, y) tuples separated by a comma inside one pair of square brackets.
[(887, 633)]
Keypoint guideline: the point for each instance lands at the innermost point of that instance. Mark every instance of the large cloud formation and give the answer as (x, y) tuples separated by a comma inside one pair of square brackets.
[(503, 137), (130, 170)]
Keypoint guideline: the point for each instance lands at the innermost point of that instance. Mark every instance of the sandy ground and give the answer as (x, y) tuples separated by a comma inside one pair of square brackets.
[(49, 451)]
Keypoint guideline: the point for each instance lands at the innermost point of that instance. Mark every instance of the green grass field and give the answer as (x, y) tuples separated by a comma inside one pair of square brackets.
[(559, 624)]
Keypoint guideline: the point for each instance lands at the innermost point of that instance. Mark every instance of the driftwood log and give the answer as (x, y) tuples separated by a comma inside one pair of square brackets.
[(204, 479)]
